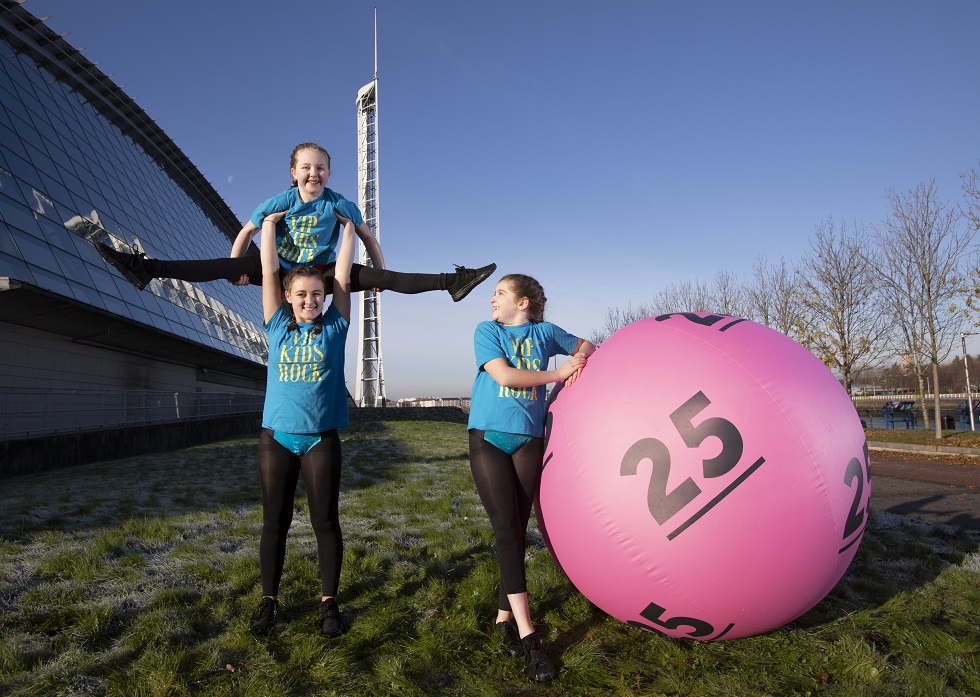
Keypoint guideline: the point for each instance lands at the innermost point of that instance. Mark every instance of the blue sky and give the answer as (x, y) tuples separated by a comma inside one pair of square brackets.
[(606, 148)]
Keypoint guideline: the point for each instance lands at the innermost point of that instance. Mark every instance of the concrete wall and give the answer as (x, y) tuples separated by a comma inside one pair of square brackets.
[(30, 455)]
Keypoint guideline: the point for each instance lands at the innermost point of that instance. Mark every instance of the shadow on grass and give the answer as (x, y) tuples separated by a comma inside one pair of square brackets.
[(946, 507), (898, 554)]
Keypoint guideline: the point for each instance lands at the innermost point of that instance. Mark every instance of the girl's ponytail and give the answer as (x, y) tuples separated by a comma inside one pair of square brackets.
[(527, 287)]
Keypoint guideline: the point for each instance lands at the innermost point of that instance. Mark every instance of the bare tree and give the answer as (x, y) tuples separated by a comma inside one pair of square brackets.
[(922, 252), (725, 296), (728, 295), (839, 283), (687, 296), (773, 299), (971, 197), (970, 209), (616, 319)]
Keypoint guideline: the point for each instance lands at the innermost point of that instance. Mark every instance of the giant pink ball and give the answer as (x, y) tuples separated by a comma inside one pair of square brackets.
[(706, 477)]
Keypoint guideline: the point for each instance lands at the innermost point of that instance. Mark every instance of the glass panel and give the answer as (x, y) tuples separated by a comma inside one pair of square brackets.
[(180, 330), (116, 306), (15, 109), (25, 129), (8, 187), (37, 252), (44, 164), (140, 314), (75, 268), (168, 309), (12, 142), (60, 195), (32, 103), (56, 234), (87, 295), (19, 217), (51, 281), (159, 322), (40, 202), (87, 252), (103, 280), (5, 96), (7, 244), (15, 268), (23, 170), (125, 290)]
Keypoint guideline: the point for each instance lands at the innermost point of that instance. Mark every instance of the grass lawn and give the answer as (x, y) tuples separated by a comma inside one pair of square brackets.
[(918, 436), (138, 577)]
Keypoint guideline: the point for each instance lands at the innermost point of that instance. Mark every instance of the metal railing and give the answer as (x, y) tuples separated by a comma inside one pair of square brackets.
[(28, 412)]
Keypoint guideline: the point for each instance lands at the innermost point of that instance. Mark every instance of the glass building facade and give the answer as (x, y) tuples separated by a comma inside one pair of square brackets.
[(81, 162)]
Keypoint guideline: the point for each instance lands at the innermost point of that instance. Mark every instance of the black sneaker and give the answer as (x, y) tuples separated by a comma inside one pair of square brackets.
[(468, 279), (539, 666), (331, 624), (509, 637), (264, 618), (129, 265)]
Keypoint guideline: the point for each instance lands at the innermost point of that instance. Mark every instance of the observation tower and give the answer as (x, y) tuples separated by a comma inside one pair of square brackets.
[(370, 388)]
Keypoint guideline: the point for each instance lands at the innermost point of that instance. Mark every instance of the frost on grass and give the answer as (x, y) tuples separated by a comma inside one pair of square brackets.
[(110, 545), (972, 562), (910, 544)]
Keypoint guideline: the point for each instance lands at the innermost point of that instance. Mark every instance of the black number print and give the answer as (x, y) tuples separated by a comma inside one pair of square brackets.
[(722, 429), (699, 628), (664, 505), (707, 320), (858, 472)]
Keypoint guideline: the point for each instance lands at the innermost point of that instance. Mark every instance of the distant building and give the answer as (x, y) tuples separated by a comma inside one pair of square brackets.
[(461, 402), (79, 346)]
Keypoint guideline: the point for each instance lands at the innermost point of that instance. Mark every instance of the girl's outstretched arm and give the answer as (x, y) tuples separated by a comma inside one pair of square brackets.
[(271, 290), (507, 375), (342, 269)]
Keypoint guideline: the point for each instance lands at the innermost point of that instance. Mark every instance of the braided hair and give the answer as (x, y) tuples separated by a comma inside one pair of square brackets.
[(287, 282)]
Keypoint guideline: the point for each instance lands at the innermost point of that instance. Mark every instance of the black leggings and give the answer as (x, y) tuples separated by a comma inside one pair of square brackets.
[(233, 268), (279, 471), (507, 485)]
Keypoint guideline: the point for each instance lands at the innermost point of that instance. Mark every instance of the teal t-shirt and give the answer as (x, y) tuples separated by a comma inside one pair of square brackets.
[(525, 347), (310, 232), (305, 390)]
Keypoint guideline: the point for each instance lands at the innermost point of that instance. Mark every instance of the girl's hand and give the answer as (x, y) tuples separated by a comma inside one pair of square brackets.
[(243, 281), (571, 369), (275, 217)]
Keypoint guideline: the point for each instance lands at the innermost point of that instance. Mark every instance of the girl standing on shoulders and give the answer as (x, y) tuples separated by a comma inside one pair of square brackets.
[(305, 404), (506, 428)]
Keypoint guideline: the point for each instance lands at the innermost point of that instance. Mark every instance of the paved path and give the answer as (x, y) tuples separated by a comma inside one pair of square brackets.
[(933, 487)]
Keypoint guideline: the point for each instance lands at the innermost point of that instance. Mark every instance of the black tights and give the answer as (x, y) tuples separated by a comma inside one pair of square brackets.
[(507, 485), (233, 268), (279, 471)]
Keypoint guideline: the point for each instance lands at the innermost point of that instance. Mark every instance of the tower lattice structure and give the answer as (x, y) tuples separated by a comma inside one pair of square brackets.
[(370, 389)]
